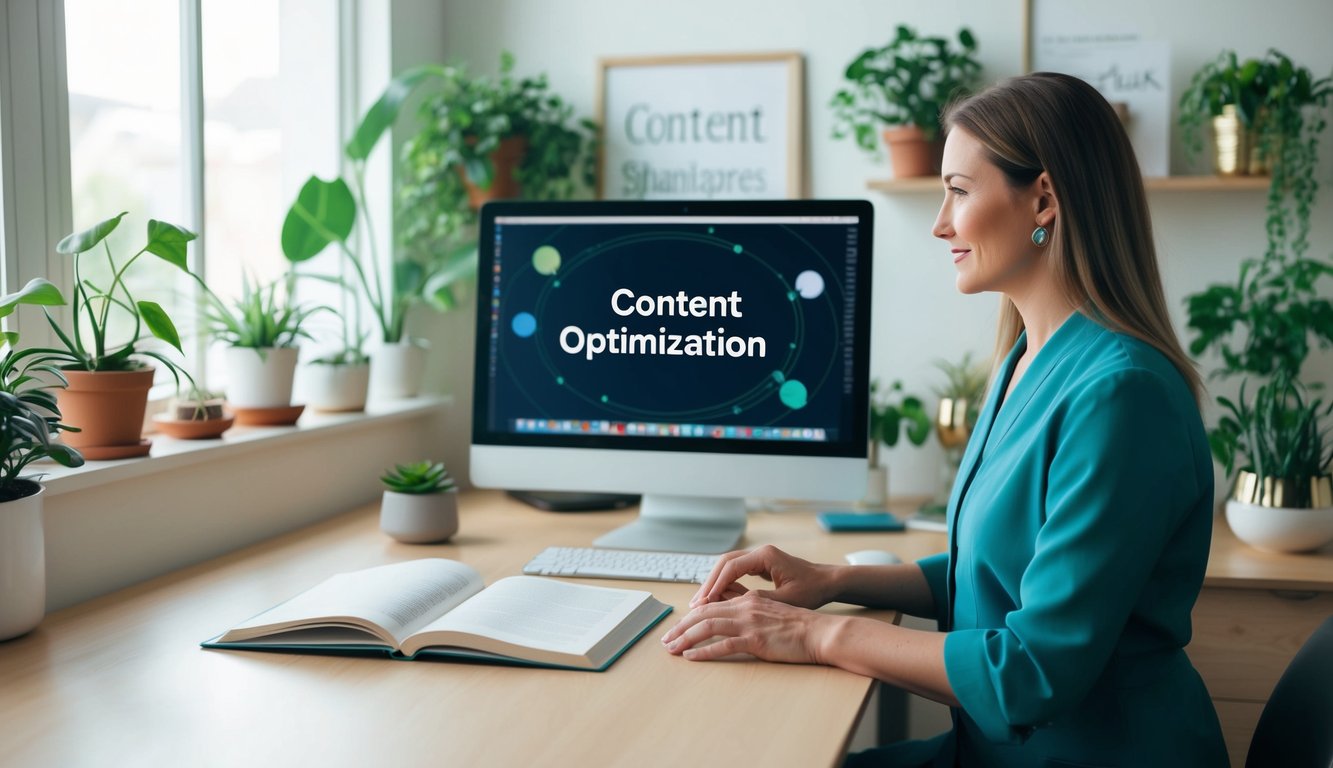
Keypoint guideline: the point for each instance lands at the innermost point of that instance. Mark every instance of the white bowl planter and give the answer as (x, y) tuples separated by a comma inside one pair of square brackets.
[(419, 518), (22, 566), (260, 378), (396, 370), (1280, 529), (338, 387)]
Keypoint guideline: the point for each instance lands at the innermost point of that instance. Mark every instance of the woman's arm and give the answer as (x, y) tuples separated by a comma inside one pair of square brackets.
[(898, 587), (776, 631)]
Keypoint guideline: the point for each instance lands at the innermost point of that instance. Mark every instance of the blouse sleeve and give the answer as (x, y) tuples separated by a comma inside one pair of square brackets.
[(1122, 476), (936, 570)]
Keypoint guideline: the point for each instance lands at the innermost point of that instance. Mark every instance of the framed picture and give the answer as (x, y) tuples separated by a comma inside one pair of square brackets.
[(726, 126), (1102, 44)]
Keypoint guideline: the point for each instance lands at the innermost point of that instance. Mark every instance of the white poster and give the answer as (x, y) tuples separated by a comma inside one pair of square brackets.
[(1099, 44), (710, 128)]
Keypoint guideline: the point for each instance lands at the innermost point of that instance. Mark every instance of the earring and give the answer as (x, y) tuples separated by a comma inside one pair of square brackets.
[(1039, 236)]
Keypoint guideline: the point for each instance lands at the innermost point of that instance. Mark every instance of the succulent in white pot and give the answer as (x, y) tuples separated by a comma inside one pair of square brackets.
[(420, 504)]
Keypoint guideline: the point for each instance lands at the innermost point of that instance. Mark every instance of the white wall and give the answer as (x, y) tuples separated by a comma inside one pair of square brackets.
[(918, 316)]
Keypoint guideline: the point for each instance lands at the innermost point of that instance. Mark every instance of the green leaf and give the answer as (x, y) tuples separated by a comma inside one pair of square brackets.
[(38, 291), (82, 241), (9, 337), (169, 242), (324, 211), (159, 324), (384, 112), (64, 455)]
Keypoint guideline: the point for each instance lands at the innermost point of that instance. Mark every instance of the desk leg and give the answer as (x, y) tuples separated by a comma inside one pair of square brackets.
[(892, 716)]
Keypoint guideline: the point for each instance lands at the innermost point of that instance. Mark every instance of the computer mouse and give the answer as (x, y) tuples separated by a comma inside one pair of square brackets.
[(872, 557)]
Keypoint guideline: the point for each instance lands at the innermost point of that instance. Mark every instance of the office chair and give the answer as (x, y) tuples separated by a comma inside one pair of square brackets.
[(1296, 727)]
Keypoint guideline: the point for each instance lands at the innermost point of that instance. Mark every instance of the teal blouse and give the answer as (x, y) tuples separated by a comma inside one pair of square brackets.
[(1079, 530)]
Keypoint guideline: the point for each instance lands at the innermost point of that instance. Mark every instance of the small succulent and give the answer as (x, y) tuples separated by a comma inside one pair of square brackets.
[(418, 478)]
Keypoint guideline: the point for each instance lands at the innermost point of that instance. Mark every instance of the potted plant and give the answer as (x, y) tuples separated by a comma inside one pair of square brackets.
[(905, 84), (470, 130), (29, 417), (261, 331), (420, 504), (1255, 106), (959, 405), (892, 413), (1283, 501), (103, 358), (1264, 325)]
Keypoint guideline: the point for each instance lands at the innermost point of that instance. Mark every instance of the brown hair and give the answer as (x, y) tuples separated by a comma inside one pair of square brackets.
[(1101, 241)]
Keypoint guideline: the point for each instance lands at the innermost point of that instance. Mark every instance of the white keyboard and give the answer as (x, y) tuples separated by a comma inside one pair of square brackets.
[(597, 563)]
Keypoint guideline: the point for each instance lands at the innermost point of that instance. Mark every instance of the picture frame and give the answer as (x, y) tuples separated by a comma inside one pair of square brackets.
[(1103, 46), (702, 126)]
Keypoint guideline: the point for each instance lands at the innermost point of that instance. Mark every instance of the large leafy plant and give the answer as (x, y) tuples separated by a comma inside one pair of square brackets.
[(894, 413), (1265, 325), (462, 122), (463, 119), (29, 414), (907, 81), (92, 344)]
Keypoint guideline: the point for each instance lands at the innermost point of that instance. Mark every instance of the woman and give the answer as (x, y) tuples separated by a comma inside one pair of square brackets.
[(1080, 521)]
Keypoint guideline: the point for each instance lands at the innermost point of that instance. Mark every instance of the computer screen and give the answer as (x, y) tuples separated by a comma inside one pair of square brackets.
[(695, 352)]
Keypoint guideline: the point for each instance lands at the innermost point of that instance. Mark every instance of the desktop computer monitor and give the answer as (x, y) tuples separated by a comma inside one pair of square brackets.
[(697, 353)]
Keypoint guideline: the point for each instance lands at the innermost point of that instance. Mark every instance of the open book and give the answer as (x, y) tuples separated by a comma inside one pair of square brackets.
[(436, 607)]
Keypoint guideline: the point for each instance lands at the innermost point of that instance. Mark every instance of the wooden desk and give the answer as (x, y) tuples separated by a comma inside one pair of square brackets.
[(121, 679), (1255, 611)]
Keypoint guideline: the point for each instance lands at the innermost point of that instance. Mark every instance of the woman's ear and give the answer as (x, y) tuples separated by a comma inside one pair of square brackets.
[(1046, 207)]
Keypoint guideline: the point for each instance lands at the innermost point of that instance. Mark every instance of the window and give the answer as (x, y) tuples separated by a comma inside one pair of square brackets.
[(261, 78)]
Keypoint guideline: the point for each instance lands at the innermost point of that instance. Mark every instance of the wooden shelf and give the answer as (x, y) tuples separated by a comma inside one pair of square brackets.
[(1164, 183)]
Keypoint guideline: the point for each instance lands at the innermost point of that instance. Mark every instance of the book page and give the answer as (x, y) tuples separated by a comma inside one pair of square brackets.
[(542, 613), (399, 598)]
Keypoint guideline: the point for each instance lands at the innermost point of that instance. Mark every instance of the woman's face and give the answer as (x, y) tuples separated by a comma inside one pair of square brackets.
[(987, 223)]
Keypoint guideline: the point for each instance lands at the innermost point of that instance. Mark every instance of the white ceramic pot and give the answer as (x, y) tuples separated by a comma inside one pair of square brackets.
[(338, 387), (260, 378), (396, 370), (419, 518), (1280, 529), (22, 566)]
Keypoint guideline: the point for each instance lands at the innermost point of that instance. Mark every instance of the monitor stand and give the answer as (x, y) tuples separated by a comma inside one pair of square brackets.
[(704, 525)]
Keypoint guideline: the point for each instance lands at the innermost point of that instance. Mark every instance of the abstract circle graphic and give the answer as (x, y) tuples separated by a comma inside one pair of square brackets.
[(546, 260), (523, 324), (793, 394), (810, 284)]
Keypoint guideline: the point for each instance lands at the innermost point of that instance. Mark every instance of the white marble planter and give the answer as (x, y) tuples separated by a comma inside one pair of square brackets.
[(260, 378), (338, 387), (22, 566), (419, 518), (396, 370), (1280, 529)]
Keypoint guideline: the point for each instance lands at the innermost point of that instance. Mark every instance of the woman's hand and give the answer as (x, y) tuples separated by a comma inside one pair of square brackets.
[(795, 581), (764, 628)]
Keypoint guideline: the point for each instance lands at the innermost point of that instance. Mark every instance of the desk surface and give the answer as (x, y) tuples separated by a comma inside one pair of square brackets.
[(121, 679)]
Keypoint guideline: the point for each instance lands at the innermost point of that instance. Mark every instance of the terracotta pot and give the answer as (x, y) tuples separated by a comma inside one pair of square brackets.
[(504, 186), (911, 154), (107, 406)]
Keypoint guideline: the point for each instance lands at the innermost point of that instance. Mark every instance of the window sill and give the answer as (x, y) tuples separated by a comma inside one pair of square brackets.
[(110, 524), (169, 454)]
